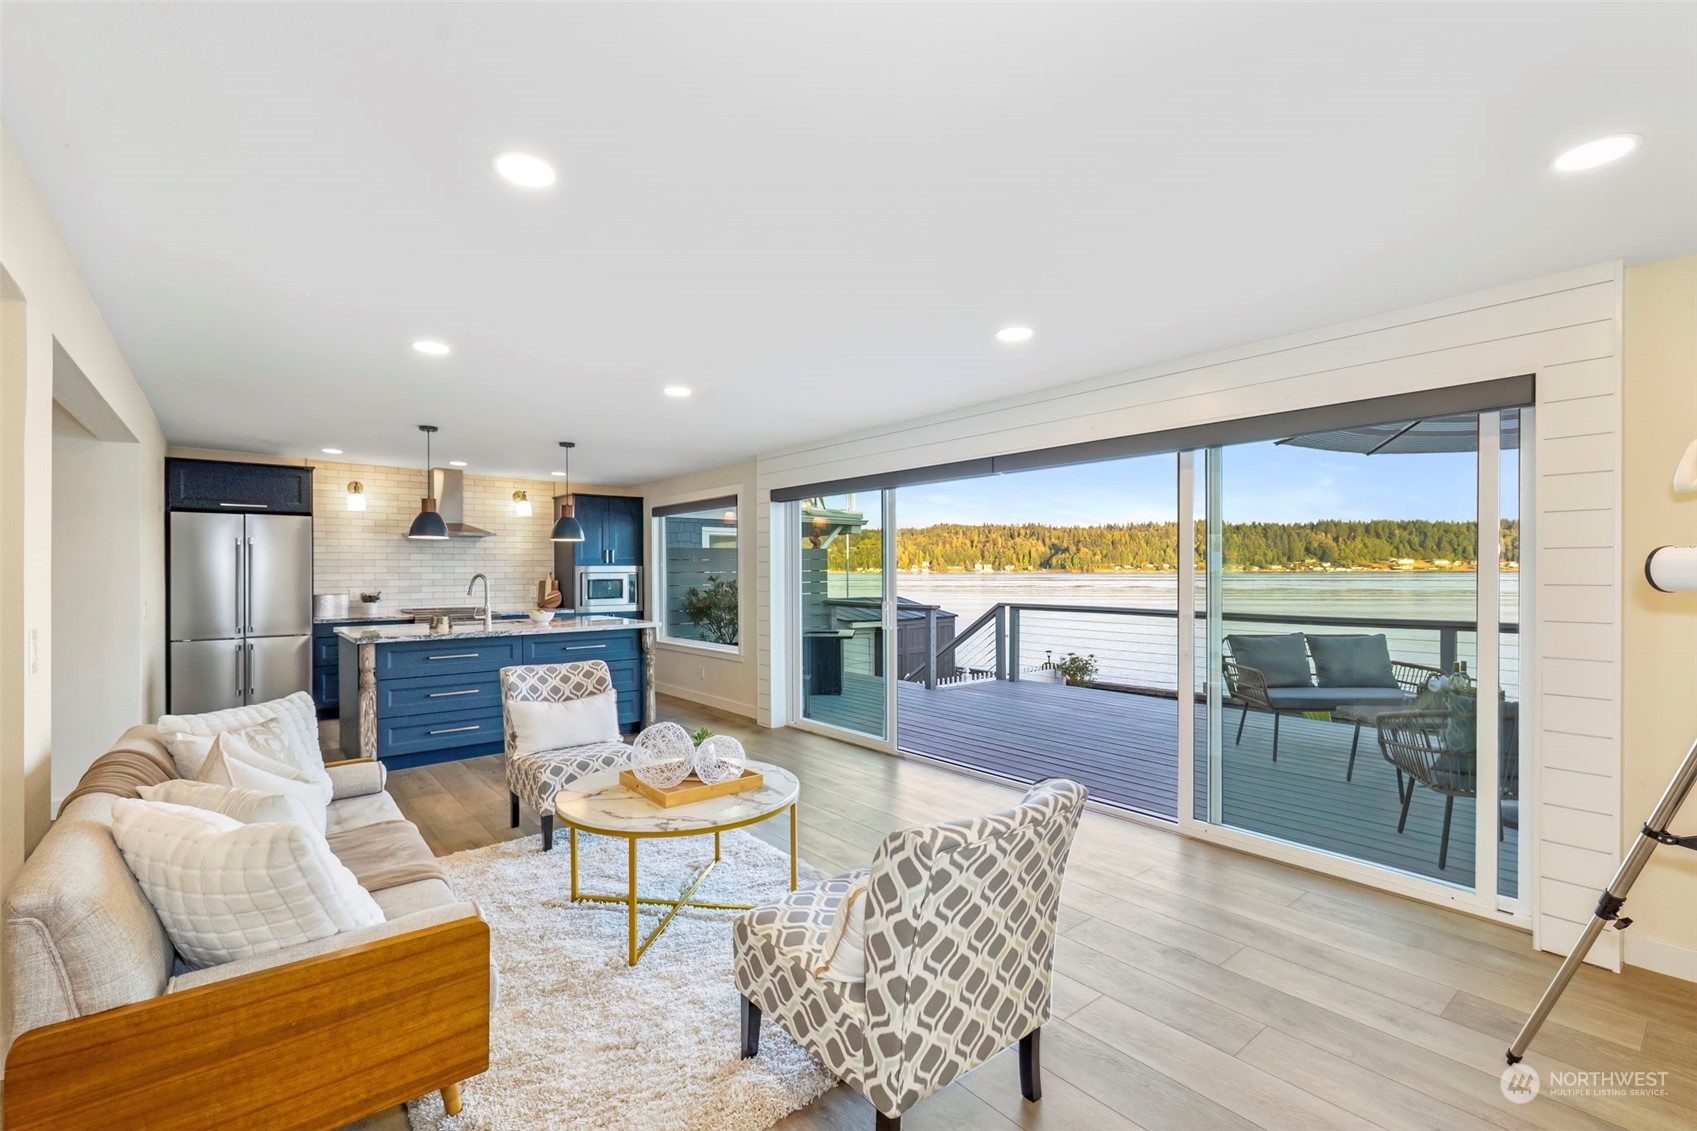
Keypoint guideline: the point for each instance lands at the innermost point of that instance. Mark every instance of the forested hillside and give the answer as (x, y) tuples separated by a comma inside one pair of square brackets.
[(1153, 545)]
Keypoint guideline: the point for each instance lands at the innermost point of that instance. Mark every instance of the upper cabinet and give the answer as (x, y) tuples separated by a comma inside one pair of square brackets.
[(217, 485), (612, 530)]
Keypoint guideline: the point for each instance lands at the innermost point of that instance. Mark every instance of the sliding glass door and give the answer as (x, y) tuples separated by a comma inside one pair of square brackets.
[(1344, 613), (844, 609)]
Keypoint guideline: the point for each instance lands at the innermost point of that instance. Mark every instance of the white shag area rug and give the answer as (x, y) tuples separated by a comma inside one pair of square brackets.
[(580, 1040)]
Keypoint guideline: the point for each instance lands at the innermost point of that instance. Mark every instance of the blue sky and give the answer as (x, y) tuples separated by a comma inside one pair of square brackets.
[(1262, 483)]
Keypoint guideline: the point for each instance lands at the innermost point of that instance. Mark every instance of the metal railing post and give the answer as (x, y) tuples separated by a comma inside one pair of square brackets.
[(1013, 643), (931, 648), (1001, 641), (1447, 649)]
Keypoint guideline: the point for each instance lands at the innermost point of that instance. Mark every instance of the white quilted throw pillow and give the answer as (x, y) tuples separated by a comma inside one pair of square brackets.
[(297, 714), (554, 726), (236, 765), (189, 751), (225, 890), (842, 954), (249, 806)]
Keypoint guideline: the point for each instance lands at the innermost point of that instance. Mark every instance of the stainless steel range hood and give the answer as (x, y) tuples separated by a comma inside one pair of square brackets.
[(447, 486)]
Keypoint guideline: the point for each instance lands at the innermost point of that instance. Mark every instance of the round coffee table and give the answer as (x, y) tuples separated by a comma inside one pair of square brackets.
[(599, 804)]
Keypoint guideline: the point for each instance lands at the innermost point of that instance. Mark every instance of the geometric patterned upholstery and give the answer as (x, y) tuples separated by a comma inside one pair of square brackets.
[(960, 938), (535, 778)]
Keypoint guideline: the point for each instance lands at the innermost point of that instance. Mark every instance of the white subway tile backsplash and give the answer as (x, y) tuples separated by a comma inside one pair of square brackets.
[(365, 551)]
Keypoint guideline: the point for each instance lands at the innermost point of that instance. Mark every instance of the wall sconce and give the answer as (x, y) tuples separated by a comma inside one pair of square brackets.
[(730, 518), (521, 504), (356, 496)]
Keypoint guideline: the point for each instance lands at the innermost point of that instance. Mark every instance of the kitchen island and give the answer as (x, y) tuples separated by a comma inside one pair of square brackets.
[(425, 697)]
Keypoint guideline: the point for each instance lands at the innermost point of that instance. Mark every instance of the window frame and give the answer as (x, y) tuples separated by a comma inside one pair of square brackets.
[(657, 590)]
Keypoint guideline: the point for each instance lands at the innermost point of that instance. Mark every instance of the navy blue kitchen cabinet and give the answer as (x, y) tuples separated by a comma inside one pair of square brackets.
[(440, 699), (326, 662), (220, 485), (612, 530)]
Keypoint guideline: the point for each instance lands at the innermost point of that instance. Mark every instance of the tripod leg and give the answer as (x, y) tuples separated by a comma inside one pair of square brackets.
[(1613, 897)]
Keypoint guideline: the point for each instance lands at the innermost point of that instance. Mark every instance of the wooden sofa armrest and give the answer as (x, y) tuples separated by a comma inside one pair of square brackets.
[(310, 1044)]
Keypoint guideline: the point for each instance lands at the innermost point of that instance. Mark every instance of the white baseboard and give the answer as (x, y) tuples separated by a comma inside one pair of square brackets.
[(1662, 957), (717, 702)]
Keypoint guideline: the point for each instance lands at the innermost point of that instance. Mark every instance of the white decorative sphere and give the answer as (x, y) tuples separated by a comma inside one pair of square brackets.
[(663, 755), (719, 758)]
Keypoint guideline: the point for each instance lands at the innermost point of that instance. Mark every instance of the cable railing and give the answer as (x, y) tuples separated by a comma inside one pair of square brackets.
[(1135, 649)]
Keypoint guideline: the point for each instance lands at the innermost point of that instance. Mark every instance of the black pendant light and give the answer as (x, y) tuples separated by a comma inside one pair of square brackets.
[(567, 528), (428, 526)]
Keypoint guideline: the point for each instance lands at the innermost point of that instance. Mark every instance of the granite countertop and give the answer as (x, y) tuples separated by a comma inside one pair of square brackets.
[(467, 630), (359, 618)]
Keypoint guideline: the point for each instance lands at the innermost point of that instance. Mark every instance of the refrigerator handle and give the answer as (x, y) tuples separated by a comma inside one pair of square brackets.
[(241, 574), (247, 578), (249, 698), (240, 681)]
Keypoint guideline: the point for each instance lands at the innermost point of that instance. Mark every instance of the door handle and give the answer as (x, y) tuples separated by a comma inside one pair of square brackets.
[(457, 730), (451, 694), (241, 584)]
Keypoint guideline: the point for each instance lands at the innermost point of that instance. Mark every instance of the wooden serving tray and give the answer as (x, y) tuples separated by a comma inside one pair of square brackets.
[(691, 788)]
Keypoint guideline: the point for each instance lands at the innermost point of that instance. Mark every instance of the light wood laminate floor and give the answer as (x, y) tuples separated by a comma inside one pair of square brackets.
[(1197, 987)]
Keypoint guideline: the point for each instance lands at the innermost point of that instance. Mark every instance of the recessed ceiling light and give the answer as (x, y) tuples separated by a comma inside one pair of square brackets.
[(431, 346), (1598, 151), (558, 474), (678, 391), (1014, 334), (456, 463), (331, 451), (525, 169)]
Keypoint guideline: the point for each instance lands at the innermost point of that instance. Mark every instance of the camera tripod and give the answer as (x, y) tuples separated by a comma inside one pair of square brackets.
[(1655, 834)]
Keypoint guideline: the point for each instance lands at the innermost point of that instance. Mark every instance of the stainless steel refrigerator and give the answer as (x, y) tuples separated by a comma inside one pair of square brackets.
[(241, 609)]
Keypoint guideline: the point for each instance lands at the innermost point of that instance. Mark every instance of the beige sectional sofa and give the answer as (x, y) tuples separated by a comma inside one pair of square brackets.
[(105, 1027)]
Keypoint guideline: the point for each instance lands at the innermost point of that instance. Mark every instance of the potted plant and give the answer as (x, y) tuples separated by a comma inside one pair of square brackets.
[(1078, 671), (713, 609)]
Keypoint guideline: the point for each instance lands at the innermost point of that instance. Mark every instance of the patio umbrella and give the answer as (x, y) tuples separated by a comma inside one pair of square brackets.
[(1409, 437)]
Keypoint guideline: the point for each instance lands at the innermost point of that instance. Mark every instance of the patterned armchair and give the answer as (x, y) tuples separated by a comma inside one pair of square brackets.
[(960, 932), (533, 779)]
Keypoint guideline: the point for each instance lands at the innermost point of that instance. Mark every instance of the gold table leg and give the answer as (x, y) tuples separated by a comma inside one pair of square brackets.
[(795, 848), (571, 830), (630, 903)]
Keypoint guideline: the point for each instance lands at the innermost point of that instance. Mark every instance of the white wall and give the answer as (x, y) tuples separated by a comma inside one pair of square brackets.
[(45, 302), (1660, 716), (727, 682), (96, 505), (1565, 328)]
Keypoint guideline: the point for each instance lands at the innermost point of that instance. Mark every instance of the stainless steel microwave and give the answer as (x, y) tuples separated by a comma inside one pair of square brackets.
[(608, 589)]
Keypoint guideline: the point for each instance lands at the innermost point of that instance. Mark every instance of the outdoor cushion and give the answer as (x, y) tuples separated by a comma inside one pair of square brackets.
[(1283, 659), (1326, 698), (1352, 661)]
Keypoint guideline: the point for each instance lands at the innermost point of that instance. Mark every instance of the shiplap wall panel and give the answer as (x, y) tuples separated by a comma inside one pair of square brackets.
[(1565, 328)]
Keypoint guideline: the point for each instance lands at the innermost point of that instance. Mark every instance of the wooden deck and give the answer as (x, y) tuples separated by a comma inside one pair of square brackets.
[(1123, 749)]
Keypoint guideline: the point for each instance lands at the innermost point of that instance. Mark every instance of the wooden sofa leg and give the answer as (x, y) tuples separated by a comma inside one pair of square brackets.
[(750, 1029), (451, 1099), (889, 1122), (513, 810), (1031, 1065), (547, 831)]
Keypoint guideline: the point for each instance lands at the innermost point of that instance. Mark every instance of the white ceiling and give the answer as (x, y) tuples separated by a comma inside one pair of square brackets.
[(816, 216)]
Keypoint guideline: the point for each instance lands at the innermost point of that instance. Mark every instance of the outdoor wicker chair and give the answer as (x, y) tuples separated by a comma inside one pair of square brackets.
[(1427, 746)]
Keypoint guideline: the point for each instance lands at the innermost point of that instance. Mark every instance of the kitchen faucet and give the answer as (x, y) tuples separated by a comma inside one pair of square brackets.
[(488, 614)]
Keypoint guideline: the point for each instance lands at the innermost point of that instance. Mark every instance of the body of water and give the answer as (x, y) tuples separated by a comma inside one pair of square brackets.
[(1143, 650)]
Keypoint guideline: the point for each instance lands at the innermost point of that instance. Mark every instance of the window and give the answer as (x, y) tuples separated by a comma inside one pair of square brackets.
[(698, 571)]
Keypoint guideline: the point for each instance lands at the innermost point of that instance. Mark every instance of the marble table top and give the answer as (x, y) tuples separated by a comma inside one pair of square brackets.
[(598, 803)]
